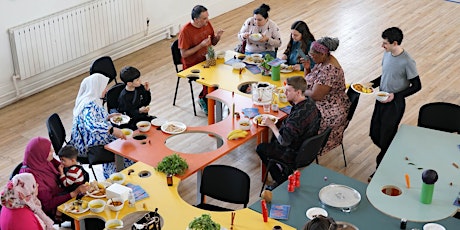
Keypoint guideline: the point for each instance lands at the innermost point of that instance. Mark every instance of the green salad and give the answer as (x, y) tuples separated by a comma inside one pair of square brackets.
[(204, 222)]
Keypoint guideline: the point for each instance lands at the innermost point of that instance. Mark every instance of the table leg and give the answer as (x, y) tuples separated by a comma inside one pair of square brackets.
[(119, 162), (211, 104), (199, 173)]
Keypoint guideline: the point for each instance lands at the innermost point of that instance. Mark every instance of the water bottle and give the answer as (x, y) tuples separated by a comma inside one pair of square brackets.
[(131, 199)]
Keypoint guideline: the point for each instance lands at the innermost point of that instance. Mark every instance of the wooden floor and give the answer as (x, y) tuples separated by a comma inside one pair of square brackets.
[(431, 37)]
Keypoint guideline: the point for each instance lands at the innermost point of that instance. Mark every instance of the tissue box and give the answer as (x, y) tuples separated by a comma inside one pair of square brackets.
[(117, 190)]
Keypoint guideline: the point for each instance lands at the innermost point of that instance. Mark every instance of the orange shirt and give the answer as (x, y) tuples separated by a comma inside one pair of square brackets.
[(189, 37)]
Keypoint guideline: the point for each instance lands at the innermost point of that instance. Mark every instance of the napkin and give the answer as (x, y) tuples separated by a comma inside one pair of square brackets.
[(138, 191)]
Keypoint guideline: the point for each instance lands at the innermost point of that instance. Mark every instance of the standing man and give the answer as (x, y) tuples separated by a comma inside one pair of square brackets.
[(194, 39), (302, 123), (399, 78)]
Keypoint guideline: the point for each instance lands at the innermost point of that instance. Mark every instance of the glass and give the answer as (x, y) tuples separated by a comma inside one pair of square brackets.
[(267, 107)]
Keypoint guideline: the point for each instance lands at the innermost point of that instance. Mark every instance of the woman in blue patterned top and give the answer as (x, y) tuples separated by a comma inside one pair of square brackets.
[(91, 125), (301, 38)]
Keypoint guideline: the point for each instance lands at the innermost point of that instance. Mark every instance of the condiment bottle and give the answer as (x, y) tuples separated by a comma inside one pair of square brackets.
[(131, 199)]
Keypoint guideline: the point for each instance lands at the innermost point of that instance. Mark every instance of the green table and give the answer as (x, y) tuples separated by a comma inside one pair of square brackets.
[(365, 216)]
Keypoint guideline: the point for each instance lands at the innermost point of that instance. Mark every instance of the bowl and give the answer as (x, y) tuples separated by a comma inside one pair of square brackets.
[(238, 65), (257, 58), (143, 126), (118, 178), (245, 124), (255, 37), (382, 96), (127, 132), (220, 54), (114, 224), (96, 205), (115, 204), (433, 226)]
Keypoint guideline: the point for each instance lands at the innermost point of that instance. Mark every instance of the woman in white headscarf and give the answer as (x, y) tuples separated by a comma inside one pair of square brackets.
[(91, 125), (21, 207)]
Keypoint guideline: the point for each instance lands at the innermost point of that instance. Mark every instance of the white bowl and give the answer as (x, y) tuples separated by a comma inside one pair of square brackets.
[(255, 37), (115, 208), (128, 132), (118, 178), (114, 224), (433, 226), (238, 65), (143, 126), (96, 205), (257, 57), (220, 54), (382, 96), (245, 124)]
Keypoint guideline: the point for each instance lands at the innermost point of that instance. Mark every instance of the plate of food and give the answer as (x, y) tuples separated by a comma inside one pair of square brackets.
[(96, 190), (119, 119), (259, 119), (173, 127), (77, 206), (158, 121), (253, 60), (286, 68), (360, 88), (255, 37)]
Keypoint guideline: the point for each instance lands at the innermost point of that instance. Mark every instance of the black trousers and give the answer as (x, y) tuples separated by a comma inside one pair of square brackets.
[(273, 150), (384, 124)]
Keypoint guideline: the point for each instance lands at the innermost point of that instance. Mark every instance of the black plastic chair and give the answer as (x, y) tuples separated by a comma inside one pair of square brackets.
[(104, 65), (225, 183), (112, 96), (16, 170), (307, 153), (441, 116), (176, 55), (354, 99)]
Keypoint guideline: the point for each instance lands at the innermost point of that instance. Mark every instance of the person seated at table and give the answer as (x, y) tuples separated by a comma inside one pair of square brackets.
[(321, 222), (302, 123), (91, 125), (259, 23), (71, 173), (40, 162), (326, 85), (21, 207), (301, 38), (194, 39), (135, 98)]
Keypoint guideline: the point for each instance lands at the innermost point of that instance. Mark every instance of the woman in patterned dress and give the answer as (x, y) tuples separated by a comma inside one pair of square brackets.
[(326, 85), (91, 125)]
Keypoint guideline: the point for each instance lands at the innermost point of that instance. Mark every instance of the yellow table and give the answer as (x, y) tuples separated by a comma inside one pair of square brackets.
[(175, 212), (225, 77)]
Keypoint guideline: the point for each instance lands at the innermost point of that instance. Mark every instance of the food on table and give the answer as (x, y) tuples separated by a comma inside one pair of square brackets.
[(287, 67), (77, 206), (96, 189), (203, 222), (118, 119), (237, 133), (260, 119), (363, 89), (254, 59), (172, 128), (116, 203)]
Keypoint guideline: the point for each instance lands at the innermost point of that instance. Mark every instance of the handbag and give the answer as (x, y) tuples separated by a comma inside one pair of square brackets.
[(241, 48)]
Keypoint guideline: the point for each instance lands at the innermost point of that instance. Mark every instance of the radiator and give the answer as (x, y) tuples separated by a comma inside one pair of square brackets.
[(49, 42)]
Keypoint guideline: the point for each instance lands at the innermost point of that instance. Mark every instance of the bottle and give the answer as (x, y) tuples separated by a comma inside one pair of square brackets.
[(131, 199)]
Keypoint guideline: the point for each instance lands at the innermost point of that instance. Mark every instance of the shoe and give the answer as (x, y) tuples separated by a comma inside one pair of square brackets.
[(271, 187), (370, 177), (203, 105)]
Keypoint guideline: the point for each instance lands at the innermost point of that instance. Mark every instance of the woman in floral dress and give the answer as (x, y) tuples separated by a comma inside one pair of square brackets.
[(326, 85)]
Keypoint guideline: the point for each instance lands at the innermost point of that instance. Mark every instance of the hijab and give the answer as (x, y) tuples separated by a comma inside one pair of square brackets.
[(36, 162), (21, 192), (91, 89)]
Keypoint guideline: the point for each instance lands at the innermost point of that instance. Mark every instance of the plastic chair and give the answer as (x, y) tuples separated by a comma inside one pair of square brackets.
[(225, 183), (176, 55), (104, 65), (307, 153), (16, 170), (354, 98), (441, 116), (112, 96)]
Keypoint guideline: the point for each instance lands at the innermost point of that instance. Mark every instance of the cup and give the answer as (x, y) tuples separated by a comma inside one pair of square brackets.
[(266, 107)]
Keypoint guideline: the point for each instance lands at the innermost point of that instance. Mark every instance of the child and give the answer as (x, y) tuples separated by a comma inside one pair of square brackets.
[(72, 174), (135, 98)]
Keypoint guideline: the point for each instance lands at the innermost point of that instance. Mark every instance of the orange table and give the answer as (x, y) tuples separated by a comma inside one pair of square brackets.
[(225, 77)]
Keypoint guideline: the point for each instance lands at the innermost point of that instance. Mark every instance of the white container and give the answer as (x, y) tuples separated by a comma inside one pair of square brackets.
[(113, 207), (382, 96), (118, 191), (114, 224), (262, 93), (128, 132), (96, 205), (244, 123), (143, 126), (117, 178)]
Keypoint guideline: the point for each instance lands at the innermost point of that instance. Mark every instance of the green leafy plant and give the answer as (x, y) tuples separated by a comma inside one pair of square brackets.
[(267, 58), (172, 164)]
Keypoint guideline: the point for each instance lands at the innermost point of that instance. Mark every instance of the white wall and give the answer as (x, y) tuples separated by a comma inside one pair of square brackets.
[(15, 12)]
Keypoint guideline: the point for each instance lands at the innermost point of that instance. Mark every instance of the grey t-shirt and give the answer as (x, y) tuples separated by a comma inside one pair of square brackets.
[(397, 71)]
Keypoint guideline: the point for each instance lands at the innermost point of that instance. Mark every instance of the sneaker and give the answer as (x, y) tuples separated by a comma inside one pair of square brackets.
[(203, 105), (370, 177)]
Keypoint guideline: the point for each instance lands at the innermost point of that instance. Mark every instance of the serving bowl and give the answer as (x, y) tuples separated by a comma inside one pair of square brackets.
[(115, 204), (143, 126), (118, 178), (96, 205)]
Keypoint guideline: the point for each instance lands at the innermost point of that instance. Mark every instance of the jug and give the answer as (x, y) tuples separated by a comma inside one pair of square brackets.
[(262, 93)]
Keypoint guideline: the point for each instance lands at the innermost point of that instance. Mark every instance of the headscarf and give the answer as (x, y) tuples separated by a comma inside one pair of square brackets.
[(319, 47), (36, 162), (91, 89), (21, 192)]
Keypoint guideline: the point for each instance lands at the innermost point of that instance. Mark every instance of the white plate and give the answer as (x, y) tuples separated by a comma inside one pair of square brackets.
[(124, 119), (285, 68), (315, 211), (255, 37), (433, 226), (263, 116), (95, 196), (173, 127), (250, 60), (353, 87), (158, 121), (238, 65), (81, 210)]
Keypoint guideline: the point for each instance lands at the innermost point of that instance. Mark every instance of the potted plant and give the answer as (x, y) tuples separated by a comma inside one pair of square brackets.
[(172, 165), (211, 56)]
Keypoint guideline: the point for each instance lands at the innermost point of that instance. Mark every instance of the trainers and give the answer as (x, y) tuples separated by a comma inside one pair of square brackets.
[(203, 105)]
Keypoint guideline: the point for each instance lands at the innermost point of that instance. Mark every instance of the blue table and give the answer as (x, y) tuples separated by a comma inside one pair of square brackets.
[(365, 217)]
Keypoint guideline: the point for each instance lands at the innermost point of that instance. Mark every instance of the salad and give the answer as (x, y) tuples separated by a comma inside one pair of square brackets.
[(203, 222)]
